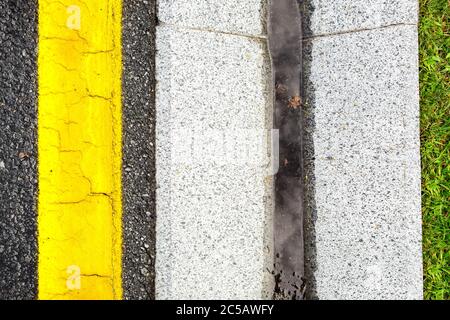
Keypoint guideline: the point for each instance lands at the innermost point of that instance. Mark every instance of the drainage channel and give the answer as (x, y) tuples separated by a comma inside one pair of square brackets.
[(285, 45)]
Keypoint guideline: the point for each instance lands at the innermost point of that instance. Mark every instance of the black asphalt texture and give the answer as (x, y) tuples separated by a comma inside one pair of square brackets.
[(138, 175), (18, 152), (18, 149)]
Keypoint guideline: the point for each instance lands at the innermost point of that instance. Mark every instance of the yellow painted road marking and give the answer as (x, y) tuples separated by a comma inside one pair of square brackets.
[(79, 145)]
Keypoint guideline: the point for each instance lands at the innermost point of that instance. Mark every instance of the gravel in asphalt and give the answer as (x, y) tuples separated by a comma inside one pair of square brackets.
[(138, 173), (18, 158)]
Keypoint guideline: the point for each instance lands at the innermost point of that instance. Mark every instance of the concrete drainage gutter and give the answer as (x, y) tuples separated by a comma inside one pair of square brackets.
[(285, 47), (361, 130)]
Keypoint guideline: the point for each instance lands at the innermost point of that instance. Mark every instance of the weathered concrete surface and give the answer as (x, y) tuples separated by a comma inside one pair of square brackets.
[(241, 17), (213, 105), (363, 165)]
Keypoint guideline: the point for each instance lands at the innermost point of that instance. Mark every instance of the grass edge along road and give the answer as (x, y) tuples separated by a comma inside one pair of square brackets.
[(434, 39)]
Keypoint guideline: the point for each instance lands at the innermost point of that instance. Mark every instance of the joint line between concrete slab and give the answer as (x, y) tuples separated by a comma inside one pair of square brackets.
[(357, 30), (182, 28)]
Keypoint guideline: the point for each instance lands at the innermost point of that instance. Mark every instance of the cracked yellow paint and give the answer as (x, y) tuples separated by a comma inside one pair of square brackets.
[(79, 143)]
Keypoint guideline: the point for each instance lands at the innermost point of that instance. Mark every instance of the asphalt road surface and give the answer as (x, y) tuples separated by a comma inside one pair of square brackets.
[(19, 158)]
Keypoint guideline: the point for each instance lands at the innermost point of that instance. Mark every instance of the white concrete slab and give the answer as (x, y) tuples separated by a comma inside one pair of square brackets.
[(241, 16), (213, 195), (337, 16), (363, 165)]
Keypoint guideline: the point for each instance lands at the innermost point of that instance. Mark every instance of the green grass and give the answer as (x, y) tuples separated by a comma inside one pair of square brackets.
[(434, 35)]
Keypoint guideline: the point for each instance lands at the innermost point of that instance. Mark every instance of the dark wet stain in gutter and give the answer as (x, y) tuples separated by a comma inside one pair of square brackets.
[(285, 45)]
